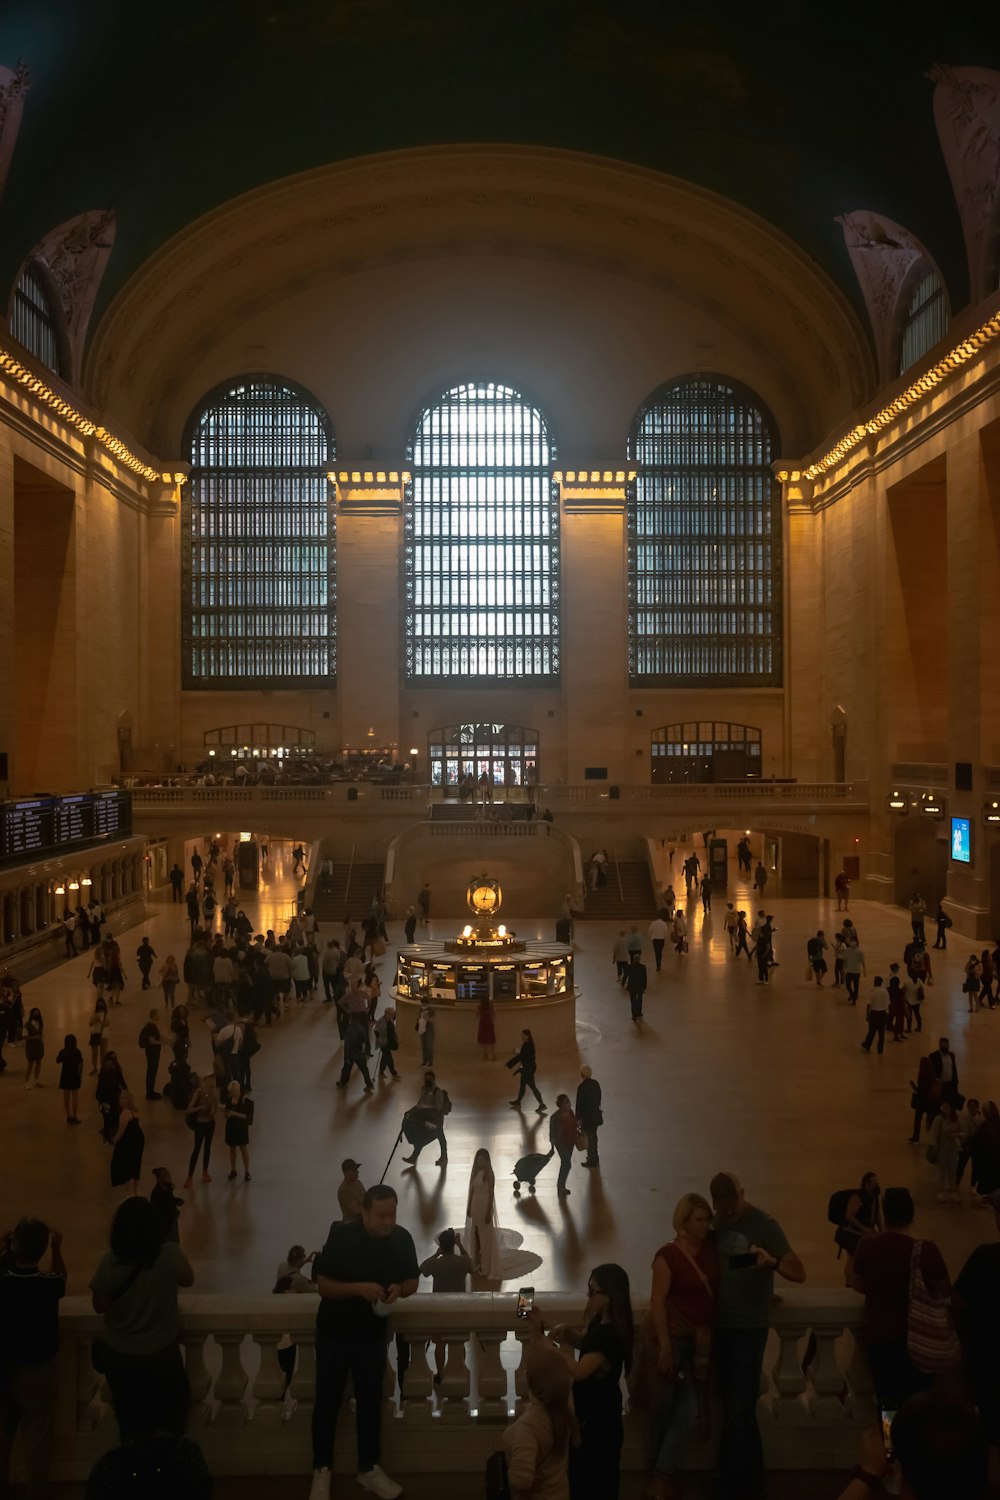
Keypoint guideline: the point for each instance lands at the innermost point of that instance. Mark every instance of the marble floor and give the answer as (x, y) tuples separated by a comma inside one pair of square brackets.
[(769, 1082)]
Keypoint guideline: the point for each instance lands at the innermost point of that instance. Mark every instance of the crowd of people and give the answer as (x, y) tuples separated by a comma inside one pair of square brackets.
[(711, 1285)]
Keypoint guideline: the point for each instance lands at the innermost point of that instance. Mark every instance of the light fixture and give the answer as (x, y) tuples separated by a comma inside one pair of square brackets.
[(414, 750), (501, 931), (467, 930), (233, 754), (74, 885), (897, 802), (991, 814), (60, 890), (932, 805), (211, 752), (86, 880)]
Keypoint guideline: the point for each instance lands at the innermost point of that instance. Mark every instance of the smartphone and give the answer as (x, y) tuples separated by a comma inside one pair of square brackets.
[(743, 1262), (525, 1301), (888, 1412)]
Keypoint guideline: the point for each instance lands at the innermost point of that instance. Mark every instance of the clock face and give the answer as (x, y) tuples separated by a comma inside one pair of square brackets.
[(484, 897)]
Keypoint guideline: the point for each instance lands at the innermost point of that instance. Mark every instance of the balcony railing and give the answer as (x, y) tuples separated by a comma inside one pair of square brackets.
[(801, 793), (809, 1420)]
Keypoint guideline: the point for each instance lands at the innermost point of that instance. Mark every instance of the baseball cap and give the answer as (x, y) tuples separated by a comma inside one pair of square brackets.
[(349, 1164), (724, 1185)]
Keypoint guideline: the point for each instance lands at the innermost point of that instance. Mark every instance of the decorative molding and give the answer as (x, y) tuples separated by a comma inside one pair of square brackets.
[(369, 492), (883, 254), (76, 255), (967, 115), (14, 84)]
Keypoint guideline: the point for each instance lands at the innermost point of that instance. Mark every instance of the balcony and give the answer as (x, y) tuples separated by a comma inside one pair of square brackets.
[(230, 1343)]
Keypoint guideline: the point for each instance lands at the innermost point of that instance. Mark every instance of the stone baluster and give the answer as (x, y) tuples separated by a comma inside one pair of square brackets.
[(419, 1382), (199, 1379), (521, 1375), (454, 1387), (786, 1374), (827, 1378), (267, 1391), (232, 1381), (492, 1378), (304, 1383)]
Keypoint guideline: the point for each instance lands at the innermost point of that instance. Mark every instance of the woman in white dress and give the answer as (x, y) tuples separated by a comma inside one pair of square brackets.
[(481, 1238)]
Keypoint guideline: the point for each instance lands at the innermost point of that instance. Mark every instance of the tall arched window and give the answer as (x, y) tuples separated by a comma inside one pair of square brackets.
[(33, 319), (482, 541), (925, 321), (704, 539), (258, 561)]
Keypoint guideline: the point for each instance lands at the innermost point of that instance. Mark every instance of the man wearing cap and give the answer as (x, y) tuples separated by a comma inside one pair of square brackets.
[(743, 1314), (351, 1193)]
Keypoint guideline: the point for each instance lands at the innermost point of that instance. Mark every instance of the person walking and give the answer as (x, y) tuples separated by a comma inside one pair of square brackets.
[(619, 956), (387, 1042), (897, 1006), (679, 932), (659, 931), (682, 1308), (98, 1040), (525, 1063), (151, 1043), (128, 1142), (971, 983), (356, 1053), (742, 1322), (135, 1287), (177, 882), (878, 1015), (759, 878), (239, 1110), (424, 904), (706, 893), (816, 949), (410, 925), (351, 1192), (430, 1109), (918, 910), (34, 1047), (842, 889), (742, 936), (635, 982), (364, 1269), (589, 1115), (169, 980), (486, 1032), (108, 1091), (70, 1062), (943, 922), (562, 1135), (144, 956), (943, 1152), (854, 969), (200, 1116), (425, 1031)]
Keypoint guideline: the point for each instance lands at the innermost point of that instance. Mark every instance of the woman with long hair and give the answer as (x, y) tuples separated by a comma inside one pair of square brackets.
[(481, 1218), (135, 1288), (34, 1046), (70, 1063), (109, 1089), (200, 1116), (527, 1063), (170, 978), (99, 1023), (603, 1348), (239, 1117), (537, 1443), (971, 983), (682, 1312), (129, 1143)]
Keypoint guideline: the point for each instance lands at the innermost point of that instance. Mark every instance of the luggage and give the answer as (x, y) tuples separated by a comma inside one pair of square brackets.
[(528, 1168)]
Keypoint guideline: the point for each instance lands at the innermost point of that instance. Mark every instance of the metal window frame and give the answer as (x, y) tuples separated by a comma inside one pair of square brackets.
[(444, 578), (704, 617), (28, 314), (241, 616)]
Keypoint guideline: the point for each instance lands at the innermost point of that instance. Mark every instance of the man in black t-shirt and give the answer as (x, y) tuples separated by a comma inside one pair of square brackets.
[(29, 1320), (365, 1267)]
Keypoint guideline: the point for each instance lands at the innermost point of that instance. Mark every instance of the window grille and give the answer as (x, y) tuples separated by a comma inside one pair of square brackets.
[(33, 320), (704, 539), (926, 320), (259, 525), (508, 753), (481, 541), (705, 751)]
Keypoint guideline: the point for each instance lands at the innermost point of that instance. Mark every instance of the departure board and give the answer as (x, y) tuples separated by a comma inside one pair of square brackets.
[(43, 827)]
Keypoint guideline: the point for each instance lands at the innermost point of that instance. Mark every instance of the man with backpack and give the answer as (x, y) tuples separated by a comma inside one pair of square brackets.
[(431, 1107)]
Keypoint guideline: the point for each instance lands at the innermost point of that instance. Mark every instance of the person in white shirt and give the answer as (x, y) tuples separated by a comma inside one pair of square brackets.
[(878, 1014), (658, 934)]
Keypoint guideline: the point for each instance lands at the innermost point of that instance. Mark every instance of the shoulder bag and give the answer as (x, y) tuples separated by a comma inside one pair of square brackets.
[(931, 1340)]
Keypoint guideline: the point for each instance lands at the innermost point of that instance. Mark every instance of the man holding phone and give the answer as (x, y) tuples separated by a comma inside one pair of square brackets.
[(750, 1246)]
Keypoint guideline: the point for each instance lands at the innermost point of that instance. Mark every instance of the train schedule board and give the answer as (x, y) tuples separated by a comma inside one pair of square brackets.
[(27, 828)]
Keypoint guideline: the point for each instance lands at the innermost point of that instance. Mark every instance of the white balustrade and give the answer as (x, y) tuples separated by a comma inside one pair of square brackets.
[(810, 1419)]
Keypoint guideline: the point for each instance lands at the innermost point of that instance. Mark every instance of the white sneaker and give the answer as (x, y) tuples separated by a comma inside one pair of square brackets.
[(378, 1482), (321, 1485)]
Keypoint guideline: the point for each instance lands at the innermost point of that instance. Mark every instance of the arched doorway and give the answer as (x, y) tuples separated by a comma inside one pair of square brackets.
[(508, 753), (704, 750)]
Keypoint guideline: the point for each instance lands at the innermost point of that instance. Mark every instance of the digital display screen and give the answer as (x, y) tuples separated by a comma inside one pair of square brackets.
[(45, 826), (961, 840)]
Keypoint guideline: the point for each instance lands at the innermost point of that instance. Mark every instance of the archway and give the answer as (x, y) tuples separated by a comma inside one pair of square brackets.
[(459, 754)]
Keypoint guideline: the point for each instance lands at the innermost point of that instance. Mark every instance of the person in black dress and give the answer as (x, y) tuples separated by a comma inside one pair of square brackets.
[(239, 1114), (110, 1086), (603, 1350), (129, 1142), (70, 1060), (34, 1046)]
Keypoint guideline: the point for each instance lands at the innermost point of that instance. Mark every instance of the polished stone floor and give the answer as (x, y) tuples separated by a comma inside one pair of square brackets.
[(769, 1082)]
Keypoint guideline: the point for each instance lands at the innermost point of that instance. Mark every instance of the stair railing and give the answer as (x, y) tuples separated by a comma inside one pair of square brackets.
[(618, 874), (350, 872)]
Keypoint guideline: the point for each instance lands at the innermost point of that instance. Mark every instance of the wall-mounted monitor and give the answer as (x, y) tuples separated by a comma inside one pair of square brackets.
[(961, 840)]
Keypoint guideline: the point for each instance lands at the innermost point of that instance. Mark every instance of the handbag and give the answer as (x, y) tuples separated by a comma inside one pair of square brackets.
[(931, 1340), (582, 1142)]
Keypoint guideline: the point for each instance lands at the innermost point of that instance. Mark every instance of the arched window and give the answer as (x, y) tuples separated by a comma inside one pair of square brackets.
[(704, 751), (704, 539), (482, 541), (926, 320), (33, 320), (459, 754), (258, 559)]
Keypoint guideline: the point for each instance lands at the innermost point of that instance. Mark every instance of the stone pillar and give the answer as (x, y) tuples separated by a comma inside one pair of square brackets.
[(369, 538)]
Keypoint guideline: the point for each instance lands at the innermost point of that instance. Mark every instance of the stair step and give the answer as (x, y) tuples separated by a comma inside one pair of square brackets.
[(635, 897)]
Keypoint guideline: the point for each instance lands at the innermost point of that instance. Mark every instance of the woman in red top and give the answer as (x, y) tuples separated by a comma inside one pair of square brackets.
[(682, 1309)]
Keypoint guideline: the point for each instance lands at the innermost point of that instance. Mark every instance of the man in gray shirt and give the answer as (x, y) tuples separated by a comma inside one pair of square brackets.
[(449, 1269)]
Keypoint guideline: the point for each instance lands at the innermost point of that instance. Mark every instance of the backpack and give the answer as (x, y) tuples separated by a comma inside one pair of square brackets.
[(836, 1210), (445, 1102)]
